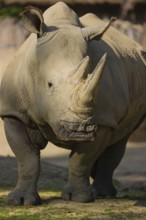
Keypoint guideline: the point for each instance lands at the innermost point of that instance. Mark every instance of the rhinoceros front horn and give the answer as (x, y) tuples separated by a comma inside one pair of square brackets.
[(91, 84)]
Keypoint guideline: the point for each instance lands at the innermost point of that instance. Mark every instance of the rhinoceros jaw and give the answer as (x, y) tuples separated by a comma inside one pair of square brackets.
[(76, 136), (71, 131)]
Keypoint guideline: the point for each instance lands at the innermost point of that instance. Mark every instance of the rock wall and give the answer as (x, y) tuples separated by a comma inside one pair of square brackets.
[(134, 31), (12, 36), (12, 33)]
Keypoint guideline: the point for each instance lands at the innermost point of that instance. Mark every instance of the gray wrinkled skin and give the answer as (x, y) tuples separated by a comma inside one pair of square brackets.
[(80, 84)]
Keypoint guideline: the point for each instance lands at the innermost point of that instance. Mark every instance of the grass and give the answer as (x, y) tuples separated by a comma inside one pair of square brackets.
[(11, 11), (131, 206)]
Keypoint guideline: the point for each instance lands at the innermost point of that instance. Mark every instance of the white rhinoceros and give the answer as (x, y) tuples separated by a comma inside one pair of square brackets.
[(68, 86)]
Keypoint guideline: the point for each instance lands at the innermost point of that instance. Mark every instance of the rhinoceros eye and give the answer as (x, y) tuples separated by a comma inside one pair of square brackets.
[(50, 84)]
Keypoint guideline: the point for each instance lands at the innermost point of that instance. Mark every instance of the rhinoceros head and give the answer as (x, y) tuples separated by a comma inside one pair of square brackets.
[(64, 85)]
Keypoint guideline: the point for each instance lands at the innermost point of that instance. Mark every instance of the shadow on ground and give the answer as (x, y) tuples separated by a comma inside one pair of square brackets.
[(54, 170), (53, 177)]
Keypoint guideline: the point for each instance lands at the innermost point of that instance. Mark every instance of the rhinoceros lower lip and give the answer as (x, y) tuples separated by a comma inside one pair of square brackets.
[(69, 131), (76, 136), (78, 127)]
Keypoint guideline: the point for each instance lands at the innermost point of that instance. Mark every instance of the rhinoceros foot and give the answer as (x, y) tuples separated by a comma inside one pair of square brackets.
[(86, 194), (19, 197), (105, 191)]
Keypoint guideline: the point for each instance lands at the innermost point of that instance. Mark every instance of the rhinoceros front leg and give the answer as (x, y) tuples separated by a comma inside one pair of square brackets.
[(103, 169), (81, 161), (28, 159)]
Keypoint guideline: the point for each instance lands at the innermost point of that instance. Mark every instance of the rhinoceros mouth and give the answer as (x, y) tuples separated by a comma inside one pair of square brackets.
[(71, 131)]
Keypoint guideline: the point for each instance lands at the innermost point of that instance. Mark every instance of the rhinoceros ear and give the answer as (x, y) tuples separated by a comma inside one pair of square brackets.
[(33, 20), (96, 31)]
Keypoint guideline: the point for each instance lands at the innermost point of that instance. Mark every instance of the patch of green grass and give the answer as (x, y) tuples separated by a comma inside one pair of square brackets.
[(55, 186), (54, 208), (11, 11)]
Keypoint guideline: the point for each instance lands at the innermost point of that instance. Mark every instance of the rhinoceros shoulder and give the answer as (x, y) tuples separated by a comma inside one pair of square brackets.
[(14, 89)]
